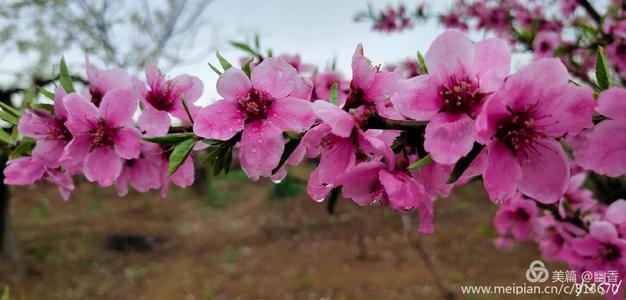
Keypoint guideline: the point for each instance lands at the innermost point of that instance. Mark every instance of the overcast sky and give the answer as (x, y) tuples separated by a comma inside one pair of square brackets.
[(317, 30)]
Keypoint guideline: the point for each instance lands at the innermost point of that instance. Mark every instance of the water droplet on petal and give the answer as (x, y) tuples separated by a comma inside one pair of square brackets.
[(277, 181)]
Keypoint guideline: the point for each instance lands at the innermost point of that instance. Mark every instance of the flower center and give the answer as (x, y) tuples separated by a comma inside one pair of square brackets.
[(103, 134), (163, 99), (355, 98), (517, 130), (610, 252), (96, 95), (460, 96), (522, 215), (256, 104), (60, 132)]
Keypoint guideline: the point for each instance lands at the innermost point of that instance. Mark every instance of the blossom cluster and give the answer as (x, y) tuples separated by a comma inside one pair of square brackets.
[(383, 137)]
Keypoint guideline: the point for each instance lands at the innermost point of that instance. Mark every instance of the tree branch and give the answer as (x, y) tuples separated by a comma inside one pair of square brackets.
[(593, 13)]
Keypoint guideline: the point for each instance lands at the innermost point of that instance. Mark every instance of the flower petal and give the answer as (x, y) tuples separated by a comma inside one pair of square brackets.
[(154, 122), (82, 115), (23, 171), (493, 63), (190, 87), (127, 144), (103, 165), (262, 145), (612, 103), (545, 172), (233, 84), (361, 182), (502, 173), (449, 137), (36, 124), (220, 121), (604, 149), (49, 151), (450, 53), (340, 121), (275, 77), (417, 98), (571, 110), (291, 114), (118, 106)]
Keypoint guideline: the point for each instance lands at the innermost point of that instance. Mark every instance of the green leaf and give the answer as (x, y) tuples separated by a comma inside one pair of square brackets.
[(246, 68), (422, 63), (290, 147), (225, 64), (186, 106), (6, 294), (9, 118), (420, 163), (23, 149), (48, 94), (228, 160), (464, 163), (333, 96), (603, 75), (42, 106), (215, 69), (6, 138), (179, 155), (65, 78), (244, 47), (10, 109), (169, 139), (257, 41)]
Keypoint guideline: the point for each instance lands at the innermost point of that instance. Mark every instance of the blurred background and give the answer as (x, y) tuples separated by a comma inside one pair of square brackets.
[(228, 237)]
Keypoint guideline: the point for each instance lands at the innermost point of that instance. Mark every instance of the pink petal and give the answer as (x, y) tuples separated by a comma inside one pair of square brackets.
[(382, 87), (107, 80), (502, 173), (361, 182), (220, 121), (233, 84), (118, 106), (451, 53), (604, 149), (545, 172), (36, 124), (59, 104), (373, 142), (313, 138), (493, 63), (449, 137), (184, 176), (64, 182), (417, 98), (76, 150), (402, 190), (363, 74), (336, 160), (315, 188), (303, 88), (49, 151), (190, 87), (82, 115), (154, 76), (531, 83), (571, 110), (612, 103), (616, 212), (23, 171), (291, 114), (340, 121), (145, 174), (275, 77), (103, 165), (487, 120), (127, 144), (262, 145), (603, 231), (154, 122)]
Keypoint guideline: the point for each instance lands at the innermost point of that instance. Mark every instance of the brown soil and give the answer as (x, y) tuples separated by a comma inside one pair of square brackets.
[(255, 247)]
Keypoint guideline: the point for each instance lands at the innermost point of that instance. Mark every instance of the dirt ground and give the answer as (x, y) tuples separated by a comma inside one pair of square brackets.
[(242, 242)]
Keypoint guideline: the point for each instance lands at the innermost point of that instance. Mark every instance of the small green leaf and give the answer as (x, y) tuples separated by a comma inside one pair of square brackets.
[(422, 63), (420, 163), (603, 74), (333, 96), (23, 149), (10, 109), (225, 64), (257, 41), (186, 106), (6, 138), (246, 68), (43, 106), (244, 47), (65, 78), (464, 163), (290, 147), (169, 139), (179, 155), (9, 118), (48, 94), (215, 69)]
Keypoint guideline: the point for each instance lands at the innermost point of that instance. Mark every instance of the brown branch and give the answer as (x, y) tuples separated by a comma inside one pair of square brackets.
[(593, 13)]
